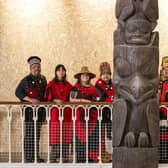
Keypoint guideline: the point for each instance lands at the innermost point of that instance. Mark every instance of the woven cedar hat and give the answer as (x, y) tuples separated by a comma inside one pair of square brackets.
[(84, 70)]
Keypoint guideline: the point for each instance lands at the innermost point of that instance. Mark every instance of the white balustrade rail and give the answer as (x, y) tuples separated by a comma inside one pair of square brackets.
[(12, 135)]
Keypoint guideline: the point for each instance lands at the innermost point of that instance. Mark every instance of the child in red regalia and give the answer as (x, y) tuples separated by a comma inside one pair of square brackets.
[(58, 91), (84, 91)]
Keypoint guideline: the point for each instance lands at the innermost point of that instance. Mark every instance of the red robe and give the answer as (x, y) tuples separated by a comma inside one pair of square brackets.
[(89, 93), (164, 92), (107, 93), (60, 91)]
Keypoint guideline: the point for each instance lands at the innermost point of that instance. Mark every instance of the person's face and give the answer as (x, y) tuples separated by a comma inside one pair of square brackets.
[(60, 73), (105, 77), (85, 78), (35, 69), (165, 73)]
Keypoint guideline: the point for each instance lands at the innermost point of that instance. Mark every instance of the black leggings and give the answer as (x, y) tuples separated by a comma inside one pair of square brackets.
[(55, 151), (29, 138), (81, 151)]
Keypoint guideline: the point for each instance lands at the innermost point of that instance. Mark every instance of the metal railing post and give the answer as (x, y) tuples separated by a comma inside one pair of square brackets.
[(100, 133), (9, 120), (22, 119), (61, 119), (35, 135), (48, 117), (87, 132), (74, 134)]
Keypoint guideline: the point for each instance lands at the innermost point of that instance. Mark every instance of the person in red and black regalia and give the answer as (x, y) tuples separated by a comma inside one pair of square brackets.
[(105, 88), (163, 88), (31, 89), (104, 84), (163, 97), (58, 90), (84, 91)]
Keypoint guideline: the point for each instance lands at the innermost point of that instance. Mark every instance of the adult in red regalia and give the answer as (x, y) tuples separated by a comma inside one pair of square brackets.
[(163, 88), (105, 88), (84, 91), (58, 91)]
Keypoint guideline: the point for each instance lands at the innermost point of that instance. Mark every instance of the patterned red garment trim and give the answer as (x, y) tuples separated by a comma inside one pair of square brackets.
[(164, 136)]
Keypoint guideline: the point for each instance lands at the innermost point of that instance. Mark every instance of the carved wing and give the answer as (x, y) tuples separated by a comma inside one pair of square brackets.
[(153, 121), (119, 120)]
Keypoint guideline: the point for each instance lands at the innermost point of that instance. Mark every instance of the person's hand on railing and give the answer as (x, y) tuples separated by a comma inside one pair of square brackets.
[(58, 101), (85, 101), (34, 101)]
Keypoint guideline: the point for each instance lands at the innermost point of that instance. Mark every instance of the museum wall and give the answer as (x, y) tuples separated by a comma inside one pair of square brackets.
[(71, 32)]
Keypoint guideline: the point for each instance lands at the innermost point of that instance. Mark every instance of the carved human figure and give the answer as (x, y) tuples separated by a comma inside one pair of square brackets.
[(136, 82)]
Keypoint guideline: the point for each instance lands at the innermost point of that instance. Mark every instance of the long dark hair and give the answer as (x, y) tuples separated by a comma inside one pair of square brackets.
[(56, 80)]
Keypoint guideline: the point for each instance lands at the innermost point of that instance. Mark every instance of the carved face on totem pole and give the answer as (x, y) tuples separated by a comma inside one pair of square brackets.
[(137, 31)]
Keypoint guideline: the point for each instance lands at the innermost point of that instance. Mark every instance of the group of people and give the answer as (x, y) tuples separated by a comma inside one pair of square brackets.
[(34, 89)]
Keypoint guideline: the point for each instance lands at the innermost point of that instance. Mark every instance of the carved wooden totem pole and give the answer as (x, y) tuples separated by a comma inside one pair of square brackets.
[(136, 109)]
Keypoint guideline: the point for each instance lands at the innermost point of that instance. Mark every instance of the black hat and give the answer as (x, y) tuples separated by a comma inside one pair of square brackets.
[(34, 60)]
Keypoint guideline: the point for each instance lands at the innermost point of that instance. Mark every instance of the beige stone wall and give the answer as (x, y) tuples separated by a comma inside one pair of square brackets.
[(163, 28), (72, 32)]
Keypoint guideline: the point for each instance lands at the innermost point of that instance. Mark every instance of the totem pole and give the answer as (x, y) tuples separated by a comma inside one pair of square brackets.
[(136, 109)]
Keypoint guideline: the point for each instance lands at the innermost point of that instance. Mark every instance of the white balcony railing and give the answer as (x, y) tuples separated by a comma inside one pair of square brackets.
[(14, 148), (15, 127)]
